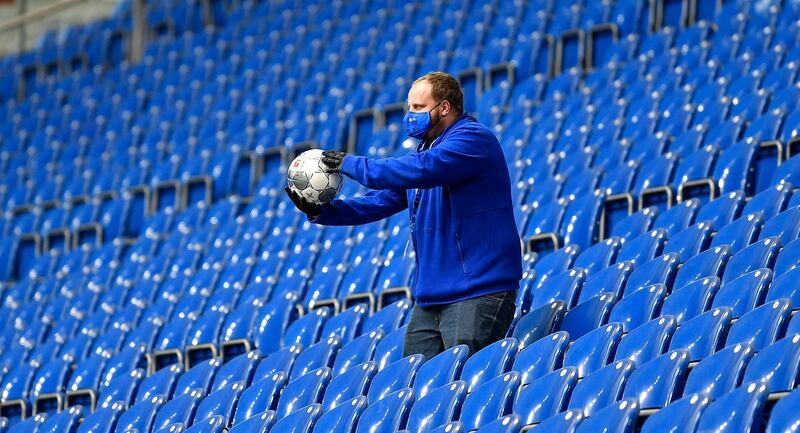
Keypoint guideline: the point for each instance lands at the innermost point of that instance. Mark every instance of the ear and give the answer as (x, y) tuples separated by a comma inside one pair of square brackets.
[(445, 108)]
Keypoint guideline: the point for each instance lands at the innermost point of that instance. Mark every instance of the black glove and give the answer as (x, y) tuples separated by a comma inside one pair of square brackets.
[(333, 160), (313, 210)]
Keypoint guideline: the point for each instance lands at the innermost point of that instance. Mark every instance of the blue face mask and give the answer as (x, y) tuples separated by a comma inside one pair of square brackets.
[(418, 124)]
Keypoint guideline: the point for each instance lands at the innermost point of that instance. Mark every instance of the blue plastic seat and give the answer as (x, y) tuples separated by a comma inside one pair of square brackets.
[(719, 373), (647, 341), (387, 319), (643, 248), (440, 370), (561, 287), (770, 201), (179, 410), (386, 415), (141, 416), (690, 300), (101, 421), (199, 377), (610, 280), (214, 424), (390, 348), (658, 382), (348, 385), (597, 257), (704, 334), (709, 263), (261, 396), (776, 365), (545, 396), (489, 401), (678, 217), (785, 286), (278, 361), (638, 307), (438, 408), (661, 270), (594, 350), (635, 224), (258, 423), (738, 411), (299, 421), (506, 424), (680, 416), (238, 369), (784, 226), (564, 422), (722, 210), (538, 323), (62, 422), (220, 403), (488, 363), (396, 376), (788, 259), (689, 242), (761, 254), (739, 233), (588, 315), (783, 417), (745, 292), (616, 418), (306, 330), (345, 325), (356, 352), (316, 356), (541, 357), (343, 418), (303, 391), (162, 382), (601, 388), (121, 389), (761, 326)]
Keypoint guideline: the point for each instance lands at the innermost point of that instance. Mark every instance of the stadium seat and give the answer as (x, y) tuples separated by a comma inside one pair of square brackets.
[(261, 396), (710, 263), (594, 350), (220, 404), (722, 210), (784, 287), (690, 300), (540, 357), (745, 292), (769, 202), (538, 323), (446, 367), (788, 259), (396, 376), (390, 348), (658, 382), (719, 373), (638, 307), (141, 416), (619, 417), (563, 287), (704, 334), (739, 410), (588, 315), (261, 423), (782, 417), (316, 356), (179, 410), (350, 384), (601, 388), (784, 226), (488, 363), (101, 421), (438, 408), (387, 414), (643, 248), (489, 401), (647, 341), (343, 418), (564, 422), (761, 326), (610, 280), (680, 415), (545, 396), (306, 390), (299, 421)]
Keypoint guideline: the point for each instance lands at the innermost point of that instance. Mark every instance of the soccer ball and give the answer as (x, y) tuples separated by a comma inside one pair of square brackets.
[(308, 178)]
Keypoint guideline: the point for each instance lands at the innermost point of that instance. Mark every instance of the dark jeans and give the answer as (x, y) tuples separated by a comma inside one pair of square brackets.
[(476, 322)]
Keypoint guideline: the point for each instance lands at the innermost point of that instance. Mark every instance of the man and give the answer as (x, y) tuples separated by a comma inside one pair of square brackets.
[(457, 190)]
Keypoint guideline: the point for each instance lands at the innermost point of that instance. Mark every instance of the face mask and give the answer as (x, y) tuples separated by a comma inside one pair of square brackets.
[(418, 124)]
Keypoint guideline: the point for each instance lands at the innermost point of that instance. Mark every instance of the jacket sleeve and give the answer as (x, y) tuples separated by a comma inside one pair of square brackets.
[(372, 206), (461, 155)]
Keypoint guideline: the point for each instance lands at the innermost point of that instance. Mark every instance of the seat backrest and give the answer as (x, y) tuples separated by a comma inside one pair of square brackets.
[(437, 408), (720, 372), (440, 370)]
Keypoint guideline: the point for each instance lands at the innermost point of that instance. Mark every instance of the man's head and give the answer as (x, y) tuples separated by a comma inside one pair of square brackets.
[(440, 95)]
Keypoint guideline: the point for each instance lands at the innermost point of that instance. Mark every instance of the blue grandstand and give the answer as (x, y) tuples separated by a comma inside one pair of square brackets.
[(154, 278)]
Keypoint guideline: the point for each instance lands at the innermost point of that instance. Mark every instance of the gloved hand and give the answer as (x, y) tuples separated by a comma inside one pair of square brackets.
[(333, 160), (313, 210)]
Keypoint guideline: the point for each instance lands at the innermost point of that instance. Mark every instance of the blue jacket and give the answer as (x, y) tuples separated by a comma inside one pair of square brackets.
[(464, 233)]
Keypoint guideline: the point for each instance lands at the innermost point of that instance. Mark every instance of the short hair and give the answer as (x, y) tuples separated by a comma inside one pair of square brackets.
[(445, 86)]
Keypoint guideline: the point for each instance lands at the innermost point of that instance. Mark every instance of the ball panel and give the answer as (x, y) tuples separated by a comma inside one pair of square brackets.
[(308, 176)]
